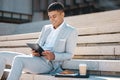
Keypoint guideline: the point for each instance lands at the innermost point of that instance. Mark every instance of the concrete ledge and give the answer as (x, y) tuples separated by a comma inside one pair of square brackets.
[(26, 76), (20, 36), (95, 50), (97, 57), (48, 77), (99, 65), (99, 38), (93, 65)]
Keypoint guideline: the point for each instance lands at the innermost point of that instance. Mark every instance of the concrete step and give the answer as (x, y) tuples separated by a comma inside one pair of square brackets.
[(26, 76), (94, 67)]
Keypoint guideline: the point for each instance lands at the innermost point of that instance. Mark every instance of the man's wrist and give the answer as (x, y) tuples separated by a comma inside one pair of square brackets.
[(53, 56)]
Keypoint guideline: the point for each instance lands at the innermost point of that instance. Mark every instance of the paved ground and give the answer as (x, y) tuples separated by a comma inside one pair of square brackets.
[(91, 78), (45, 77), (103, 78), (49, 77)]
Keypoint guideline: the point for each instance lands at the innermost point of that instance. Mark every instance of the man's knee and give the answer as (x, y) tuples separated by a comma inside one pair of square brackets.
[(2, 60), (18, 58)]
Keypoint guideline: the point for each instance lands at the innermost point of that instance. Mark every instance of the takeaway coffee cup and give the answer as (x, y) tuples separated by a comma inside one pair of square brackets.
[(82, 69)]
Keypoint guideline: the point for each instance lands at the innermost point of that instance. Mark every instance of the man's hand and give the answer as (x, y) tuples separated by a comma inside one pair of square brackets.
[(48, 55), (34, 53)]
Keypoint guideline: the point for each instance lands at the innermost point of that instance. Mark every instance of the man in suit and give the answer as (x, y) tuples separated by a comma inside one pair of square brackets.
[(58, 41)]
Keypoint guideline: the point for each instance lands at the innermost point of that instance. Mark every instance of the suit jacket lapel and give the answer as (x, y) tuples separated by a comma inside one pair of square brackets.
[(62, 34), (43, 40)]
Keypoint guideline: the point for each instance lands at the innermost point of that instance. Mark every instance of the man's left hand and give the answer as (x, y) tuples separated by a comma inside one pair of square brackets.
[(48, 55)]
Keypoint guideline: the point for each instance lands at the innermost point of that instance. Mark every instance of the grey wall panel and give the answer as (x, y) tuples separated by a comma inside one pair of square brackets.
[(69, 2), (20, 6), (79, 1), (43, 5), (7, 5), (62, 1), (1, 4), (50, 1)]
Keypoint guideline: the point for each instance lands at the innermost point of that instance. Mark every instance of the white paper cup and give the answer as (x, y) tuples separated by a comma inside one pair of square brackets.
[(82, 69)]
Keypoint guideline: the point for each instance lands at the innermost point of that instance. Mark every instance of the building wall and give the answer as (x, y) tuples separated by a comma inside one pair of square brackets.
[(38, 8), (37, 16), (7, 28), (20, 6)]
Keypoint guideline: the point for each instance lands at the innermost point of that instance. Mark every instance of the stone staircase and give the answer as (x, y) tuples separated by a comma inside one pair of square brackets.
[(98, 44)]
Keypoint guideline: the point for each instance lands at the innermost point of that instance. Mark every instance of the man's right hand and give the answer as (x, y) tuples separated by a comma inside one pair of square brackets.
[(34, 53)]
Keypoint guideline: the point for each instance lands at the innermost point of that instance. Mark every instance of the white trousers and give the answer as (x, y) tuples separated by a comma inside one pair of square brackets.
[(22, 62)]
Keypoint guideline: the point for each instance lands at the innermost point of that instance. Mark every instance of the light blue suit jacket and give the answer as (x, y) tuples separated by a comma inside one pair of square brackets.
[(64, 45)]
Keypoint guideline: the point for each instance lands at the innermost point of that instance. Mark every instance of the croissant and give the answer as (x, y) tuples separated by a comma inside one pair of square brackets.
[(67, 72)]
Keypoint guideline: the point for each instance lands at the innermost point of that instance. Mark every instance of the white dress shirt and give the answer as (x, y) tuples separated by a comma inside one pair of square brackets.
[(52, 37)]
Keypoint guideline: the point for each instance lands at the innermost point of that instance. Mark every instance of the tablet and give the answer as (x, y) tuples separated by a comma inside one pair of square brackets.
[(35, 47)]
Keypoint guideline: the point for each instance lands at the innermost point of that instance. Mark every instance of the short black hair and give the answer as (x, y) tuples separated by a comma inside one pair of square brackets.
[(55, 6)]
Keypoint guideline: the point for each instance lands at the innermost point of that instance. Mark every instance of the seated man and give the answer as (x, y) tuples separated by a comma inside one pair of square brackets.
[(58, 41)]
